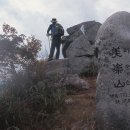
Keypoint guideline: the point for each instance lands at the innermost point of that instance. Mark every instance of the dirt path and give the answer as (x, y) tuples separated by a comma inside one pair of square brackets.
[(80, 111)]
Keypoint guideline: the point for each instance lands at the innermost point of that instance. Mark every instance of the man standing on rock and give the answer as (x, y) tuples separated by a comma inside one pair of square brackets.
[(56, 32)]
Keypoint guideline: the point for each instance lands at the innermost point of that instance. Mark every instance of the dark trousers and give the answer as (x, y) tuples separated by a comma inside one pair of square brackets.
[(64, 49), (56, 42)]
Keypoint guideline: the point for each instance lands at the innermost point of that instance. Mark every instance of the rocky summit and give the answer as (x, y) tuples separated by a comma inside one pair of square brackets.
[(78, 51), (113, 82)]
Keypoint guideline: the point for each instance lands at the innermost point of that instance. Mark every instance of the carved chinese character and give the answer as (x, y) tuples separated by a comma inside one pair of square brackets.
[(117, 68), (116, 52), (119, 84)]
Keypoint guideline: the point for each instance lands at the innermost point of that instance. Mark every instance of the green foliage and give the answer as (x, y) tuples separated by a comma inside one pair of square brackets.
[(16, 50), (31, 101)]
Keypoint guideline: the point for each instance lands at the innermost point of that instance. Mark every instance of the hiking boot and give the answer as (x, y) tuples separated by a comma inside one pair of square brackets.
[(49, 59)]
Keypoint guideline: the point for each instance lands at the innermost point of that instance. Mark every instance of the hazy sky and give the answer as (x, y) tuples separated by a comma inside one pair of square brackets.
[(33, 16)]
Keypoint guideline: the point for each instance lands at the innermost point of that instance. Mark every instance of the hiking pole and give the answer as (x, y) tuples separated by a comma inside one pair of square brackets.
[(49, 42)]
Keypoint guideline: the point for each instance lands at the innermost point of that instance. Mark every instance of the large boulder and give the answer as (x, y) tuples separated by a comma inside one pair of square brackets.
[(113, 82), (81, 39), (90, 30), (69, 65), (65, 72), (80, 47)]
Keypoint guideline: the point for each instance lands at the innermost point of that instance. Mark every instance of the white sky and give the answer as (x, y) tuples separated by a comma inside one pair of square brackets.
[(33, 16)]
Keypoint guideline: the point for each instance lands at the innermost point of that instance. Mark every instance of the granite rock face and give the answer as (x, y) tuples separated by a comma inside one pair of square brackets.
[(90, 30), (80, 35), (75, 65), (80, 47), (113, 82)]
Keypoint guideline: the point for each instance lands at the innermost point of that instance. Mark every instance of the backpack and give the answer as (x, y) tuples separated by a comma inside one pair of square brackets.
[(60, 30)]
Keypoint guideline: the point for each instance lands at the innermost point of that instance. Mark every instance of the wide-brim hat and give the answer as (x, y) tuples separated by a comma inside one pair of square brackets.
[(53, 20)]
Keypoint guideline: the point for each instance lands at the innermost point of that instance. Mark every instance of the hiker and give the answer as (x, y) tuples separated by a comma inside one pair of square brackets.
[(56, 32)]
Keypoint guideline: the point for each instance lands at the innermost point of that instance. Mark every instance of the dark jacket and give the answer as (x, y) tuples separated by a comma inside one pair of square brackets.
[(54, 29)]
